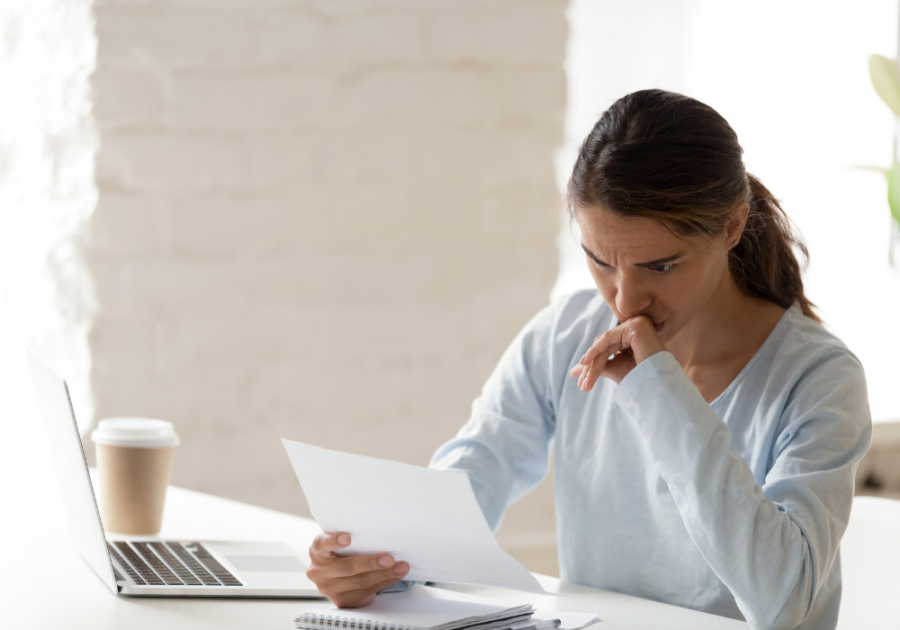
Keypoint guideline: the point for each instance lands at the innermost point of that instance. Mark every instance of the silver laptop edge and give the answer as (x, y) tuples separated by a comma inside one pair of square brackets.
[(86, 526)]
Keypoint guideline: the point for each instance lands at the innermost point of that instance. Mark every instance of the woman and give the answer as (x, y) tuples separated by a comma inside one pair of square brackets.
[(706, 427)]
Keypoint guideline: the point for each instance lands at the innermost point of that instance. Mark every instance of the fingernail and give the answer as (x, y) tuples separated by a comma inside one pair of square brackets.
[(385, 561), (344, 539), (401, 568), (583, 358)]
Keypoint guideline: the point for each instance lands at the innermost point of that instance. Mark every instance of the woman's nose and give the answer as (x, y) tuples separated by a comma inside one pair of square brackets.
[(631, 299)]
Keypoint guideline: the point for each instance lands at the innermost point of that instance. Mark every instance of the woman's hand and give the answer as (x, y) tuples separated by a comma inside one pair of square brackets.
[(352, 581), (631, 342)]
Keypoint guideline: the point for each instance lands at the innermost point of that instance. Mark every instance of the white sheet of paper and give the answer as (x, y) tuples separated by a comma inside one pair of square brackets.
[(428, 518)]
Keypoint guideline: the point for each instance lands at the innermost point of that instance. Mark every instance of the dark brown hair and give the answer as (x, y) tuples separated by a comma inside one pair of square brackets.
[(665, 156)]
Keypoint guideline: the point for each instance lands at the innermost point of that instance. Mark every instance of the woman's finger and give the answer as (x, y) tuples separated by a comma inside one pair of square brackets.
[(352, 574), (619, 366), (369, 594), (590, 374), (363, 581), (362, 597), (593, 361), (595, 369), (355, 565), (326, 543), (604, 345)]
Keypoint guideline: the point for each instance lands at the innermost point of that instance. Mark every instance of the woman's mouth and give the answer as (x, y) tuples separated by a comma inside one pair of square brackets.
[(659, 327)]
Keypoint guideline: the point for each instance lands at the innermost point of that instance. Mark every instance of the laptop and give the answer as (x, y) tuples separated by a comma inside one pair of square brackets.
[(148, 567)]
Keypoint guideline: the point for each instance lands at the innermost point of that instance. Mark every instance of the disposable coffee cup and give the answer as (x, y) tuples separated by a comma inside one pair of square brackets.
[(134, 460)]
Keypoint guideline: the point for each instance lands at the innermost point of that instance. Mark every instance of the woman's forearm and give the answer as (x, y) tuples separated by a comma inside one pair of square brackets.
[(771, 544)]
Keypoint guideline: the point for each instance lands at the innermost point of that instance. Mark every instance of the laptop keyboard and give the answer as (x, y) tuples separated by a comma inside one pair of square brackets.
[(170, 563)]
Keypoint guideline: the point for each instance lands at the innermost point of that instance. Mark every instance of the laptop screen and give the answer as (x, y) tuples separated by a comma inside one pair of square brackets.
[(71, 468)]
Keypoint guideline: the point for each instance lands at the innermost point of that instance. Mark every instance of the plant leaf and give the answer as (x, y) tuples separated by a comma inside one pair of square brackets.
[(885, 75), (894, 191)]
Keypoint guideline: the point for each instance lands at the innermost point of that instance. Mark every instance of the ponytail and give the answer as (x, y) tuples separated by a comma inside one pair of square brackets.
[(763, 263)]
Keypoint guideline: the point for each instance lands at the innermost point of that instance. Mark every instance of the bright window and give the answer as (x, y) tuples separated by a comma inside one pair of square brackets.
[(47, 194)]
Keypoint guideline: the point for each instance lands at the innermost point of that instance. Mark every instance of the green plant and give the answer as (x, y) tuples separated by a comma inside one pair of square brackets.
[(885, 75)]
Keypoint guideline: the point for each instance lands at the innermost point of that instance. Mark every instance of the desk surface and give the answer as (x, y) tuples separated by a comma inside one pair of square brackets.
[(45, 583), (82, 601)]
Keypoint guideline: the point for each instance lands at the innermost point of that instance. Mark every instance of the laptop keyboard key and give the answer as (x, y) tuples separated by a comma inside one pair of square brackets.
[(137, 579), (156, 563), (138, 563), (191, 563), (175, 564)]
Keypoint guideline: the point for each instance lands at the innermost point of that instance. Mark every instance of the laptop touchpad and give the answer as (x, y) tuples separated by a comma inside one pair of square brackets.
[(283, 564)]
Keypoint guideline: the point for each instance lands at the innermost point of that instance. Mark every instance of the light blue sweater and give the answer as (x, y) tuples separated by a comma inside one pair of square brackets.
[(736, 507)]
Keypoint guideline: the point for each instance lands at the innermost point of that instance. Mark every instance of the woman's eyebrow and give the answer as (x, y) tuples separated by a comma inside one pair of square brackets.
[(652, 263), (592, 256)]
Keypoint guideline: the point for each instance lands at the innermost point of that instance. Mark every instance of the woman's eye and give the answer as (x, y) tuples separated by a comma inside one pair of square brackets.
[(662, 269)]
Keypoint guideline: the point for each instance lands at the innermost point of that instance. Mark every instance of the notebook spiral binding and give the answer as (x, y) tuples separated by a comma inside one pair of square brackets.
[(336, 622)]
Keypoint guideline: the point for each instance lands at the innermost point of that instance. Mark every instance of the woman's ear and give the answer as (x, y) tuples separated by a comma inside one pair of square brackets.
[(734, 229)]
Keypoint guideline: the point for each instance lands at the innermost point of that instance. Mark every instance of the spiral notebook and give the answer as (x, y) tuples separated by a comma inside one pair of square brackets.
[(423, 608)]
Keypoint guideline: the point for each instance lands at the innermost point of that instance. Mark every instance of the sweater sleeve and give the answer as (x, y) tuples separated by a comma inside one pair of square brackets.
[(505, 445), (771, 545)]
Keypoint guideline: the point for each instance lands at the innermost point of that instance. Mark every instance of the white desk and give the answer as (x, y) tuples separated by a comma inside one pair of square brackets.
[(37, 552), (82, 601)]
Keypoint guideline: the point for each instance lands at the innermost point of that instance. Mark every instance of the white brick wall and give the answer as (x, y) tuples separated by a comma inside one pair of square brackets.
[(319, 220)]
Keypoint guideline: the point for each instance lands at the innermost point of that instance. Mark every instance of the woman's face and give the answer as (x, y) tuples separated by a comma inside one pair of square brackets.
[(642, 268)]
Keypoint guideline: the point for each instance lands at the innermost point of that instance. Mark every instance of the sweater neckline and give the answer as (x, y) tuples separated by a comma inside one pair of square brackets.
[(770, 340)]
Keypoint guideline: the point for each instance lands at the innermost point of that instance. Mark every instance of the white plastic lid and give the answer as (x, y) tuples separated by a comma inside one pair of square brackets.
[(135, 432)]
